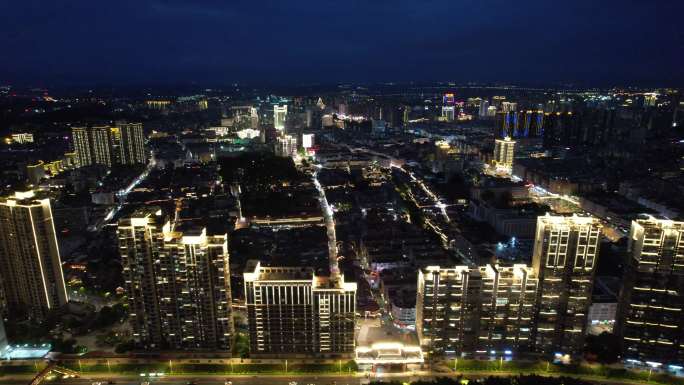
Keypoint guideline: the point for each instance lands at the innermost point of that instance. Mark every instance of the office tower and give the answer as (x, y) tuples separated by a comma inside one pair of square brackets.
[(32, 278), (651, 316), (405, 117), (448, 113), (177, 281), (564, 260), (290, 310), (504, 150), (471, 310), (279, 116), (132, 143)]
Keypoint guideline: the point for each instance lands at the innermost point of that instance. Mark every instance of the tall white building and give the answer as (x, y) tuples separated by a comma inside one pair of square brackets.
[(504, 152), (286, 146), (279, 116), (30, 264), (448, 113), (291, 311)]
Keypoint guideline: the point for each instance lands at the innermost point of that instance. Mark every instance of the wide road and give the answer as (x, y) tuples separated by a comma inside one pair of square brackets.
[(279, 379)]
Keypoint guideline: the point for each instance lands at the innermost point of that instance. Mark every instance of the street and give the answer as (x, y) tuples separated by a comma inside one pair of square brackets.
[(299, 379)]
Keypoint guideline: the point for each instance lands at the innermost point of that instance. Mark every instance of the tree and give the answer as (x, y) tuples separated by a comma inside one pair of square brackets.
[(605, 347)]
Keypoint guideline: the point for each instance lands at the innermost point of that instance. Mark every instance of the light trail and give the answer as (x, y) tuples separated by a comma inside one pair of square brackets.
[(438, 203), (329, 224), (123, 193)]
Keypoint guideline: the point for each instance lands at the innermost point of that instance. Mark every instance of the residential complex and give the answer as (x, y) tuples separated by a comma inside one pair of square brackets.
[(177, 281), (293, 312), (30, 264), (484, 310), (652, 298), (504, 152), (123, 143), (564, 260)]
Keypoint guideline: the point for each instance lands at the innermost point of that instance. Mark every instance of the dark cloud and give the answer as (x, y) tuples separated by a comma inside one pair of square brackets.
[(129, 41)]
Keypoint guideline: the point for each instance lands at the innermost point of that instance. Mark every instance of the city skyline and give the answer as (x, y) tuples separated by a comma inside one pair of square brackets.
[(316, 192)]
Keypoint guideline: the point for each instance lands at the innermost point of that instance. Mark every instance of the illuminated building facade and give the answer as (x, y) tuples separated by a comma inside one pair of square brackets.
[(652, 298), (279, 116), (286, 146), (93, 145), (504, 151), (564, 260), (177, 281), (31, 267), (519, 124), (109, 145), (132, 143), (448, 113), (485, 310), (291, 311)]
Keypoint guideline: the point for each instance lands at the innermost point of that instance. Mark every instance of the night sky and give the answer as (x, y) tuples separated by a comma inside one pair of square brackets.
[(289, 42)]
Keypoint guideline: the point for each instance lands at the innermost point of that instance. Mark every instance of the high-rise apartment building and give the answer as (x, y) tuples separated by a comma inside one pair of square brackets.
[(123, 143), (178, 282), (470, 310), (509, 106), (30, 264), (81, 141), (484, 106), (504, 150), (279, 116), (286, 146), (448, 113), (564, 260), (132, 143), (291, 311), (651, 311)]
